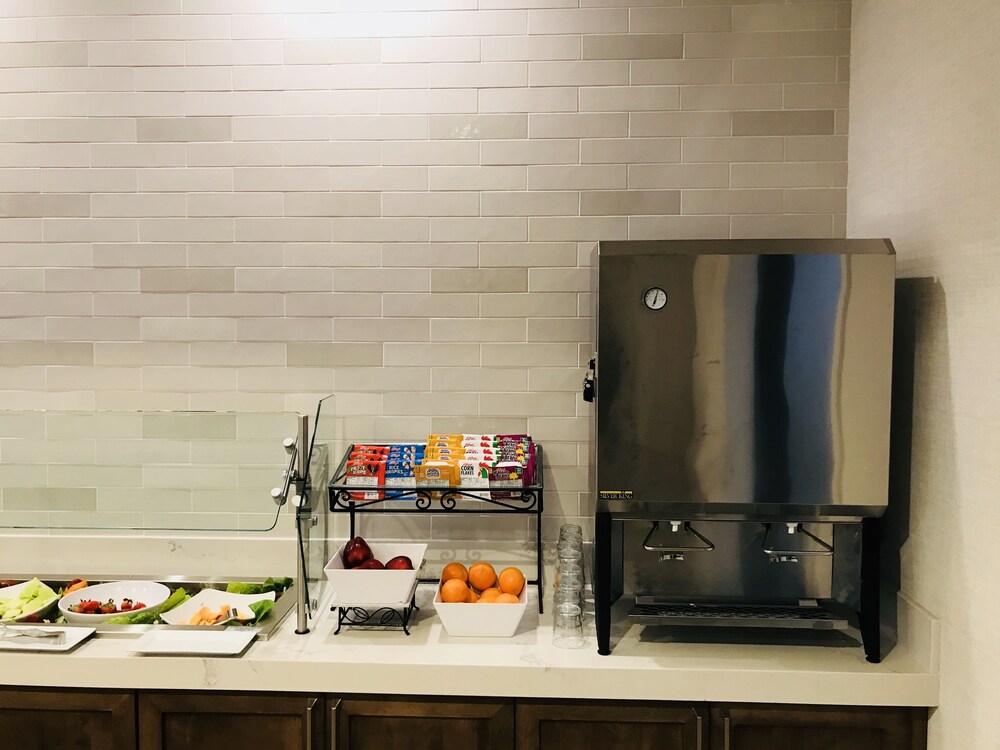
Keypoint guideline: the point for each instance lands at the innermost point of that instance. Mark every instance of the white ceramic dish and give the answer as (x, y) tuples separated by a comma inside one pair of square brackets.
[(150, 593), (9, 592), (74, 637), (230, 642), (481, 620), (214, 600), (368, 587)]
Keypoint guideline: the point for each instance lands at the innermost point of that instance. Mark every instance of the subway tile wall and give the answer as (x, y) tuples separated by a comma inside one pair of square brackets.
[(248, 204)]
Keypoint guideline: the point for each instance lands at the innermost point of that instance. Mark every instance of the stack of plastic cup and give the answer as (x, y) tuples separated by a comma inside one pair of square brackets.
[(569, 587), (567, 627)]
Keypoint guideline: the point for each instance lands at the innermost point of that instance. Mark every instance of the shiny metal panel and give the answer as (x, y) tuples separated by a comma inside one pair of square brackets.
[(737, 569), (760, 390)]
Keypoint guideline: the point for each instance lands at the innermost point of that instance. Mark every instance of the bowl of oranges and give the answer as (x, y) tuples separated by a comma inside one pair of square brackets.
[(478, 601)]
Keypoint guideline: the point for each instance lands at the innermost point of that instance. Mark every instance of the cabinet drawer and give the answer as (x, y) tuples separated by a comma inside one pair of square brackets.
[(421, 724)]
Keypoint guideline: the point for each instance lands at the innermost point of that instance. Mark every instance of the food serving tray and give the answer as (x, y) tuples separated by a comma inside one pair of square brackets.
[(73, 636), (264, 630), (179, 643)]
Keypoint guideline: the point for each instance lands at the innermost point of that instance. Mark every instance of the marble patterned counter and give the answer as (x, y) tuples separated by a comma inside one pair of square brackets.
[(429, 662)]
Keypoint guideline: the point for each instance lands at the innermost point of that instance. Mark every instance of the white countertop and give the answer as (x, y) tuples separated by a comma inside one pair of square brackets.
[(429, 662)]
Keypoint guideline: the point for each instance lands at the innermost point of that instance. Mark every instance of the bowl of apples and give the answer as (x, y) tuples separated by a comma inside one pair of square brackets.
[(381, 574)]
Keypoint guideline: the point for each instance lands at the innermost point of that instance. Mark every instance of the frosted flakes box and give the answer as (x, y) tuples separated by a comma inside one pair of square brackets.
[(436, 473), (444, 454), (434, 441), (433, 473)]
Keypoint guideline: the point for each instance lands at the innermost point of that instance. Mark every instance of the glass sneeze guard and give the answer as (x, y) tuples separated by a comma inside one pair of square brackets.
[(143, 471), (311, 516)]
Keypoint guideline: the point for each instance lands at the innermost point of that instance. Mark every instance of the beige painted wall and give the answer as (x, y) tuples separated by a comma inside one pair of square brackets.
[(247, 204), (925, 171)]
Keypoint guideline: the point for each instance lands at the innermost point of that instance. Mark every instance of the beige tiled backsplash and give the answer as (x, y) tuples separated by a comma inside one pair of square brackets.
[(243, 206)]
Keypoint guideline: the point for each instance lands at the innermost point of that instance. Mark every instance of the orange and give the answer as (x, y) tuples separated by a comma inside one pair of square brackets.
[(472, 597), (454, 570), (506, 599), (454, 591), (511, 581), (482, 575), (489, 596)]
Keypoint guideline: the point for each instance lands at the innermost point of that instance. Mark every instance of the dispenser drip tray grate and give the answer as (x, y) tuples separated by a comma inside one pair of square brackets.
[(738, 615)]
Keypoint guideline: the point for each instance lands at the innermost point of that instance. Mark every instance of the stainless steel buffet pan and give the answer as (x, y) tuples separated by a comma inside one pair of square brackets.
[(284, 603)]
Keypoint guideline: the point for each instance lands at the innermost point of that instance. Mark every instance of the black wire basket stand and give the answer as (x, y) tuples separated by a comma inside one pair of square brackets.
[(445, 500)]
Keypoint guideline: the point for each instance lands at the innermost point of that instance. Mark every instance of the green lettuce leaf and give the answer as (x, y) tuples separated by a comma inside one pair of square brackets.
[(260, 609), (151, 615), (277, 585)]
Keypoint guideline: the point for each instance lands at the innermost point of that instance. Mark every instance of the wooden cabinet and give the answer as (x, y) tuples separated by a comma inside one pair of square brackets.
[(421, 724), (596, 725), (43, 719), (593, 725), (184, 720), (764, 727)]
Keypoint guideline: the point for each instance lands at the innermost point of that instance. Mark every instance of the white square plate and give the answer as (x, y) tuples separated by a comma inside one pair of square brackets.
[(74, 637), (214, 600), (229, 642)]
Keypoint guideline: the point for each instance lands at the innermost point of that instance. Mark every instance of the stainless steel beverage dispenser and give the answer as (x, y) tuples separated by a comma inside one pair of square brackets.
[(742, 393)]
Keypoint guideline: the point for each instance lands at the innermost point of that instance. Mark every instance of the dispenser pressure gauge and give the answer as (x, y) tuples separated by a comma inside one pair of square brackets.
[(655, 298)]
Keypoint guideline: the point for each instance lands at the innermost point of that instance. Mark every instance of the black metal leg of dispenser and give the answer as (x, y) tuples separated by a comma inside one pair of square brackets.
[(602, 581), (538, 557), (868, 617)]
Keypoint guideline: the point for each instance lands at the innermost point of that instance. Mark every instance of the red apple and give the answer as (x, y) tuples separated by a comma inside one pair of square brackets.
[(402, 562), (370, 564), (356, 551)]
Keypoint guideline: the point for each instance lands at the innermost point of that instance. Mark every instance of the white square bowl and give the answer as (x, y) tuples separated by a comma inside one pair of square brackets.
[(12, 592), (482, 620), (150, 593), (215, 600), (389, 588)]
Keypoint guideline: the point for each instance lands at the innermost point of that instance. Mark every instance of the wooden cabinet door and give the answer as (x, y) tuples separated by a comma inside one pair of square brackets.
[(764, 727), (67, 719), (421, 724), (180, 721), (598, 725)]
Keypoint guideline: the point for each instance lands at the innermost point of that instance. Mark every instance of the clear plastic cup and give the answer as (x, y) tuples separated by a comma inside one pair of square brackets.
[(568, 553), (570, 570), (571, 532), (568, 592), (567, 626)]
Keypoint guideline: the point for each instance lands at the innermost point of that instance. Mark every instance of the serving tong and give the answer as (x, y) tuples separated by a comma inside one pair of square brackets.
[(230, 614), (55, 636)]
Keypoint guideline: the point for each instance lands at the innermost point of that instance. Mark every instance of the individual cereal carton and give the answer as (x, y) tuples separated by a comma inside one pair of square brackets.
[(474, 473), (436, 473), (401, 474), (365, 473)]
